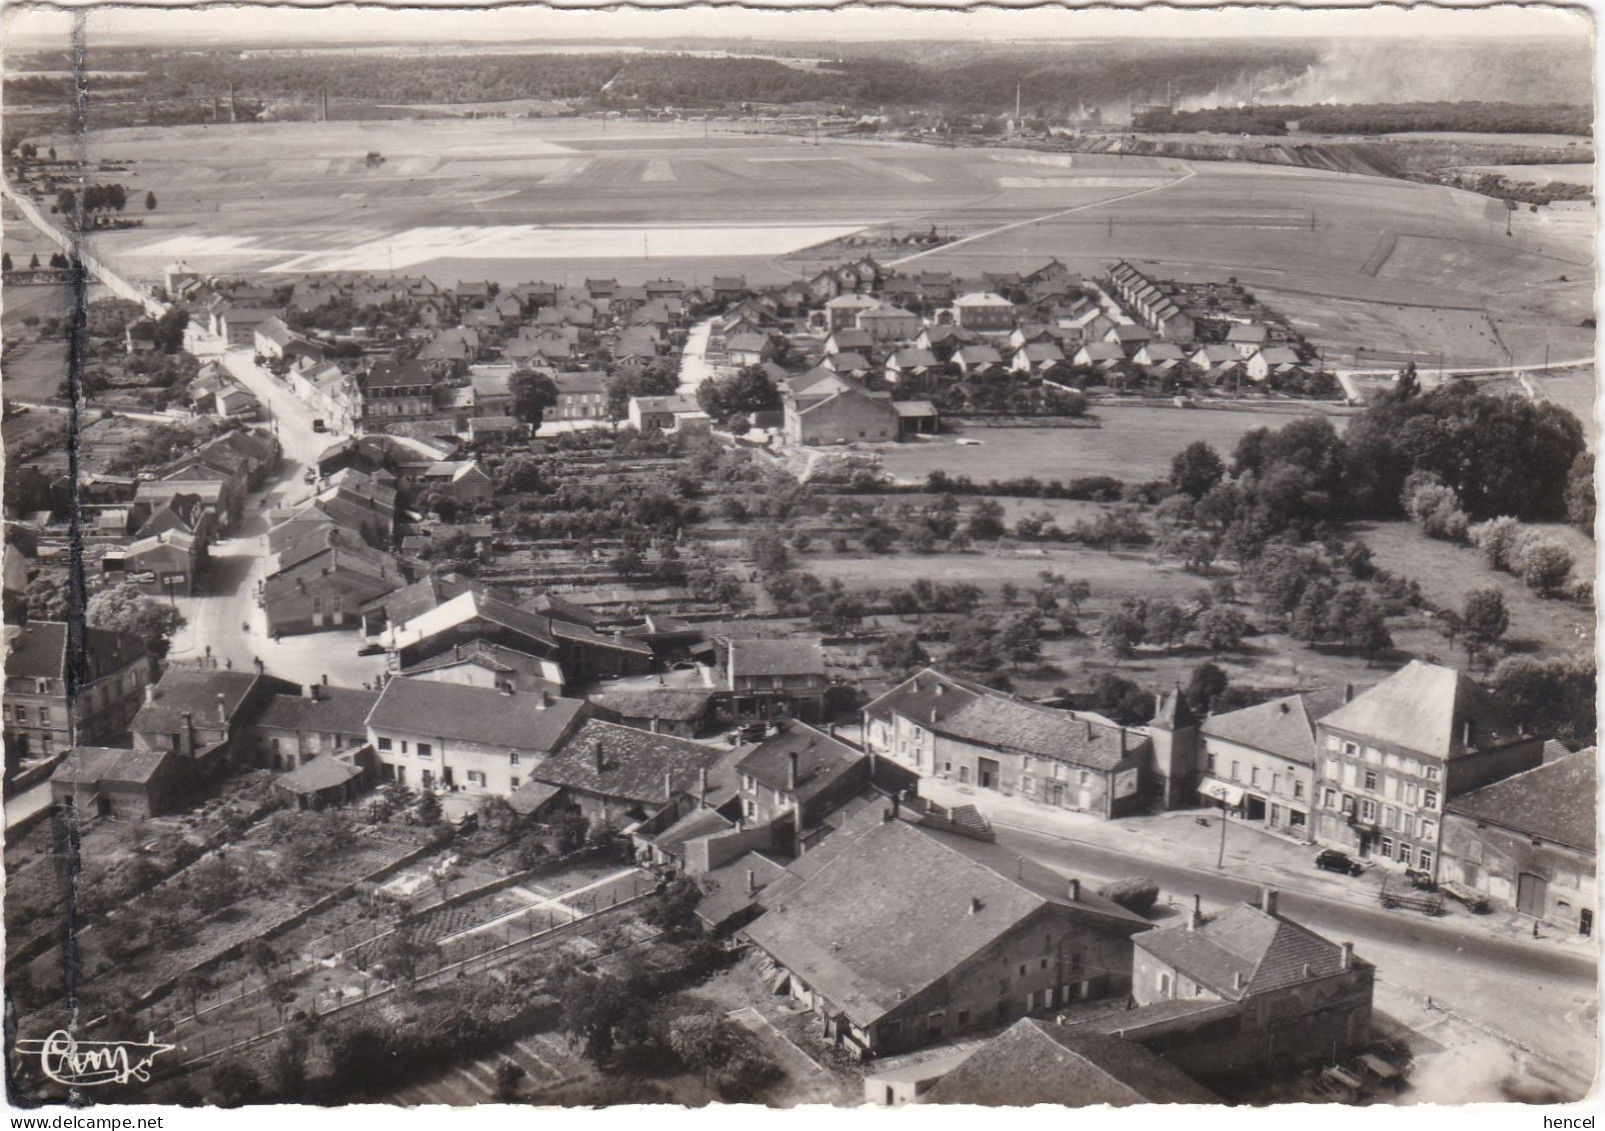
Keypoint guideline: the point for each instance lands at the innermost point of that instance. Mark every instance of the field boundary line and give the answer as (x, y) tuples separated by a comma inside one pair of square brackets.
[(1189, 175)]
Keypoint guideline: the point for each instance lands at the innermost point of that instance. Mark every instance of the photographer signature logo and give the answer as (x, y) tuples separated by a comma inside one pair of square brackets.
[(87, 1064)]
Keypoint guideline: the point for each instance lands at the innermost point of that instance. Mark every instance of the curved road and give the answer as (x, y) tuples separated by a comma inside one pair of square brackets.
[(1526, 992)]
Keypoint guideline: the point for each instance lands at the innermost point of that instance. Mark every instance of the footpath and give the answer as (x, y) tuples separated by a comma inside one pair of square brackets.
[(1191, 838)]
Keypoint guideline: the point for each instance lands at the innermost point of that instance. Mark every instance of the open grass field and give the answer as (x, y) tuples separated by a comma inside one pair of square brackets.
[(1134, 443), (1575, 390), (1398, 269), (1447, 572)]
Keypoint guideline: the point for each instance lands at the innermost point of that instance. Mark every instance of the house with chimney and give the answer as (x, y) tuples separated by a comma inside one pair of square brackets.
[(902, 935), (770, 680), (322, 721), (1528, 842), (452, 737), (323, 581), (1259, 763), (1300, 999), (616, 776), (486, 663), (201, 717), (1392, 758), (958, 731), (41, 719), (102, 781), (795, 779)]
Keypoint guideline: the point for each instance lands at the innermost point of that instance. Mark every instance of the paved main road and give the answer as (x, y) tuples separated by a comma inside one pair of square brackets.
[(226, 617), (1534, 994)]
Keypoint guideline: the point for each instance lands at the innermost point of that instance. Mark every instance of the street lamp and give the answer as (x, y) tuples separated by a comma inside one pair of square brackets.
[(1220, 795)]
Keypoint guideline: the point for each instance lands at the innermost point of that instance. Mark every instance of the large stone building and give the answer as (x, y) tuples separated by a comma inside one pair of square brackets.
[(41, 720), (1259, 763), (1528, 842), (1392, 758), (901, 935)]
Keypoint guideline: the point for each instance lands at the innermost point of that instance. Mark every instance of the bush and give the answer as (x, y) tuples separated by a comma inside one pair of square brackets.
[(1135, 893), (1543, 564)]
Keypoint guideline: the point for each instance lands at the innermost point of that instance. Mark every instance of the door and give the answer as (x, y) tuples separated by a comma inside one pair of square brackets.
[(1532, 894), (1468, 873), (988, 771), (445, 777), (1255, 807), (1585, 923), (1058, 795)]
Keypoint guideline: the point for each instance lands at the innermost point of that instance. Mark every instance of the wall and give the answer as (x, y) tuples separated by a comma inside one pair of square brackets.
[(1283, 784), (1491, 859)]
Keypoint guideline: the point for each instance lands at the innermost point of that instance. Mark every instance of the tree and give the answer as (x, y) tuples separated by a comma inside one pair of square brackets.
[(170, 327), (1206, 687), (1120, 632), (234, 1084), (150, 201), (748, 391), (1543, 564), (33, 262), (1497, 540), (702, 1041), (1221, 628), (5, 261), (429, 806), (598, 1011), (1121, 699), (533, 394), (1196, 469), (900, 653), (1579, 492), (986, 521), (123, 608), (1483, 619), (49, 597), (1137, 894), (402, 952), (1164, 623), (1434, 506)]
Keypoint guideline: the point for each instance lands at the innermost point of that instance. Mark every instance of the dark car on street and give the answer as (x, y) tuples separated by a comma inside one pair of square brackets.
[(1331, 860), (371, 650)]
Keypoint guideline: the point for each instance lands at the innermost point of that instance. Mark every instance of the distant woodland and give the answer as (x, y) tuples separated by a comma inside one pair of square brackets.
[(1402, 117)]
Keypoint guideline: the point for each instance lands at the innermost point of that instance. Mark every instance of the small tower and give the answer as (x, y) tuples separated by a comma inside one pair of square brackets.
[(1174, 735)]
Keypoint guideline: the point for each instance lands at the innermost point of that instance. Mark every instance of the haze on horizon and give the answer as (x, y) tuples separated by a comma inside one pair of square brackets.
[(290, 26)]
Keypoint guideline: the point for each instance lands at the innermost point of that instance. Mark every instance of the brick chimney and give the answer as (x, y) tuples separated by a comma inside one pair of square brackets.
[(702, 788), (791, 772), (310, 691), (601, 758), (975, 906), (1348, 693), (1267, 900), (1075, 891), (668, 784), (150, 693), (222, 707), (1195, 917), (1238, 981), (752, 881), (1346, 959)]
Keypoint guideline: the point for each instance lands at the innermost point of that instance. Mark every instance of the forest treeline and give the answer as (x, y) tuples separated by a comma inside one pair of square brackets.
[(1381, 118)]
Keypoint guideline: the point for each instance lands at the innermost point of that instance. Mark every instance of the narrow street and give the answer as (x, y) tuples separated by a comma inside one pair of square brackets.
[(226, 616)]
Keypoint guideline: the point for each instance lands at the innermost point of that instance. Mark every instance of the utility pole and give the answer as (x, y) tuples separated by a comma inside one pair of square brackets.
[(1220, 858)]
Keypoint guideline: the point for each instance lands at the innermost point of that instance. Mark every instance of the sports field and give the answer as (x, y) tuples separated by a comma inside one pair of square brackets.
[(1358, 263)]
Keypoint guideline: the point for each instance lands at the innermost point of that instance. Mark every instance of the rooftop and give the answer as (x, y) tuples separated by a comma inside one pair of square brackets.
[(776, 657), (336, 710), (1426, 708), (1266, 950), (821, 760), (619, 761), (94, 764), (482, 715), (197, 693), (1556, 801), (1284, 727)]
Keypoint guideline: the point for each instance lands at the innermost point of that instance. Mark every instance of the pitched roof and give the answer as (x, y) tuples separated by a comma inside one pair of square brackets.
[(624, 762), (821, 760), (95, 764), (318, 775), (899, 907), (1035, 1062), (922, 693), (1284, 727), (672, 402), (1425, 708), (998, 721), (336, 710), (776, 657), (483, 715), (1268, 951), (193, 691), (1555, 801), (671, 703), (38, 650), (1252, 332)]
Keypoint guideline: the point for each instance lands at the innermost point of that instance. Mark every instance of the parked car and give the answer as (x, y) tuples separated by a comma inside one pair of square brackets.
[(319, 426), (371, 650), (1331, 860), (311, 475)]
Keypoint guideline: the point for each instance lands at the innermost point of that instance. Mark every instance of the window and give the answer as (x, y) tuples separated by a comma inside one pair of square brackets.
[(1409, 793), (947, 767), (1028, 784), (512, 783), (964, 773), (404, 746), (1429, 830), (1348, 805), (1276, 783), (1237, 771), (1164, 983), (751, 807), (41, 687), (512, 757), (1329, 799), (1298, 790), (1433, 773), (1083, 778), (1352, 749), (1372, 754), (384, 743), (1211, 761), (1390, 816), (1025, 764), (1404, 852), (1368, 810), (1385, 846), (476, 777), (425, 750), (1429, 798), (1371, 780), (964, 1017), (1061, 772), (1425, 857), (1022, 969), (1331, 742)]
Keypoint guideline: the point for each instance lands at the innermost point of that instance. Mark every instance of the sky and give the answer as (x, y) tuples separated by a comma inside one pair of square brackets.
[(289, 23)]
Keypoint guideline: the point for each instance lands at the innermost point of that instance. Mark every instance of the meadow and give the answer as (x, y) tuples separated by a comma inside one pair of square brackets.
[(1131, 443), (1391, 268)]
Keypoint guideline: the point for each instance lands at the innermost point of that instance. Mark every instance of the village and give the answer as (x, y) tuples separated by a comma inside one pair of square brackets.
[(461, 635)]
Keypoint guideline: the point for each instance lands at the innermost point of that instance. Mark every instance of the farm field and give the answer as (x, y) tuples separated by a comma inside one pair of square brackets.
[(1447, 572), (1133, 443), (1575, 390), (1538, 174), (1129, 574), (1397, 269)]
